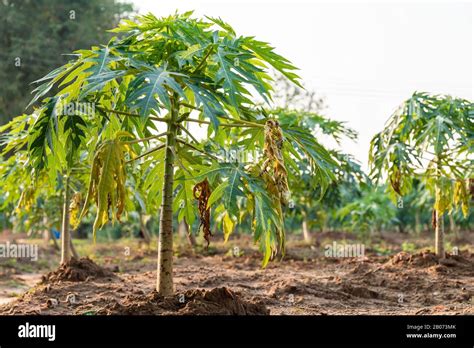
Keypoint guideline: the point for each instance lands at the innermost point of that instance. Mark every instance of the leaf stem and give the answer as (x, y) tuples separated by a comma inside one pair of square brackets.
[(147, 138), (188, 133), (237, 121), (249, 123), (211, 48), (124, 113), (196, 121), (146, 153), (222, 124), (197, 149), (190, 106)]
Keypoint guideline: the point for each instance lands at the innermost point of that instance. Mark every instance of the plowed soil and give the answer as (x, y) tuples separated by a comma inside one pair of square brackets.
[(223, 284)]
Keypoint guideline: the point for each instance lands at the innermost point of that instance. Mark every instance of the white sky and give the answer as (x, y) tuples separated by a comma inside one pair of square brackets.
[(364, 57)]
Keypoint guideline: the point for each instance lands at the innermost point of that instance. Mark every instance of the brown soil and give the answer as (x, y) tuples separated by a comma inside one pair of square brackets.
[(218, 283), (461, 264), (217, 301), (77, 271), (375, 285)]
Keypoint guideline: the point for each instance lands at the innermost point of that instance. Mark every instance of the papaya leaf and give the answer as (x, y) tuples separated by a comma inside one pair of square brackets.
[(107, 182), (150, 88)]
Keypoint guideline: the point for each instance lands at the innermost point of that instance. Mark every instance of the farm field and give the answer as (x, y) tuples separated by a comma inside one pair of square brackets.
[(198, 173), (218, 281)]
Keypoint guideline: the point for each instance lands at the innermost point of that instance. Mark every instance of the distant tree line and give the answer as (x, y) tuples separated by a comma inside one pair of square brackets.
[(35, 35)]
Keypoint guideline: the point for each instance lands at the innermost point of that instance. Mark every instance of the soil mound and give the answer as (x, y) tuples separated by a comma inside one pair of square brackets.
[(77, 271), (217, 301), (461, 264), (423, 259), (426, 259), (221, 301)]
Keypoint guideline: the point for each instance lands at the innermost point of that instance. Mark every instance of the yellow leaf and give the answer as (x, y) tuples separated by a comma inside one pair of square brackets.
[(74, 209), (27, 199), (461, 196), (442, 200), (107, 182), (228, 225)]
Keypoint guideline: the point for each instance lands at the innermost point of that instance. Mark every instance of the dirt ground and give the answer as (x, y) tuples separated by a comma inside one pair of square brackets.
[(227, 280)]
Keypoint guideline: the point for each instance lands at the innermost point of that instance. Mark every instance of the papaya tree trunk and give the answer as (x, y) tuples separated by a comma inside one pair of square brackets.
[(73, 249), (48, 234), (184, 233), (65, 233), (452, 226), (46, 237), (439, 231), (144, 229), (53, 238), (164, 283), (304, 227), (417, 223), (191, 237)]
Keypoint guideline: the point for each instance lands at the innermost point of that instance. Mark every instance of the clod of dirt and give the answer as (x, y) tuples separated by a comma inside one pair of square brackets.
[(462, 262), (423, 259), (362, 268), (218, 301), (77, 271), (221, 301)]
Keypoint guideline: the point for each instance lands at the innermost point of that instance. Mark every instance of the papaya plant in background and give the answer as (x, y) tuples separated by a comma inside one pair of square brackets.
[(304, 107), (429, 137), (148, 89), (301, 153), (416, 210), (369, 212), (44, 197), (307, 193), (27, 208), (349, 185)]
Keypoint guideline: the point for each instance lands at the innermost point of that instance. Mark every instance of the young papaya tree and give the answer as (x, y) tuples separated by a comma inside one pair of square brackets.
[(429, 137), (24, 206), (369, 212), (148, 88), (416, 210), (307, 200), (300, 153), (34, 187)]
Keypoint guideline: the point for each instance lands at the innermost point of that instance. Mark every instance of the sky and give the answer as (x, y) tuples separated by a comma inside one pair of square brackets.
[(364, 58)]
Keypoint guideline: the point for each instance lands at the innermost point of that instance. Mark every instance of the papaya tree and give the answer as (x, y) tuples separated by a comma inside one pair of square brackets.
[(301, 153), (148, 88), (306, 199), (416, 210), (429, 137), (44, 196), (369, 212)]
